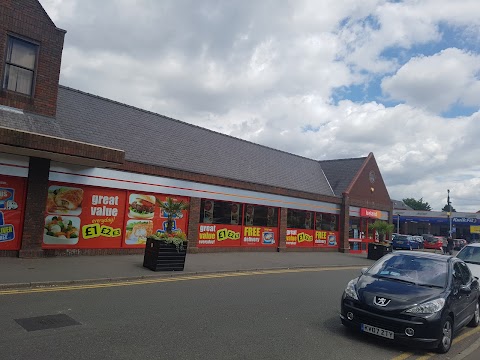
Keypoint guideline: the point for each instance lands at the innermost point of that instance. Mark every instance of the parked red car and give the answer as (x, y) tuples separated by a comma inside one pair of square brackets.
[(433, 243)]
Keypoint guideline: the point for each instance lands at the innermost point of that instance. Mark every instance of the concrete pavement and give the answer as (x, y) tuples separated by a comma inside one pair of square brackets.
[(16, 272)]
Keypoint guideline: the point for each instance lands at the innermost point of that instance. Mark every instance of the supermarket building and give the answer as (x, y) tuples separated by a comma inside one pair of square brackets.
[(81, 174)]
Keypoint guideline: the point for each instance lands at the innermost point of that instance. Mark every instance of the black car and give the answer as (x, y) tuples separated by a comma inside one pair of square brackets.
[(418, 298)]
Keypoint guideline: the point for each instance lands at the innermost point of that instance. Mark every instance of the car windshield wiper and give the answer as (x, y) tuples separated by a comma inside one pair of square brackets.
[(396, 279), (431, 285)]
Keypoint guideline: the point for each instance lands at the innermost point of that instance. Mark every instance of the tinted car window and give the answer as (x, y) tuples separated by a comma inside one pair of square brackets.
[(465, 273), (422, 271), (470, 254)]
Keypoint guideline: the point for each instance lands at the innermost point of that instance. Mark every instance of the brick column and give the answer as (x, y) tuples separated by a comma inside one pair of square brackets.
[(193, 221), (344, 245), (36, 201), (282, 241)]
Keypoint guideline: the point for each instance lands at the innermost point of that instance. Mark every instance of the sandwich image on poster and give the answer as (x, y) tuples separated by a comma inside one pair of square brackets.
[(61, 230), (64, 200), (137, 231), (141, 206)]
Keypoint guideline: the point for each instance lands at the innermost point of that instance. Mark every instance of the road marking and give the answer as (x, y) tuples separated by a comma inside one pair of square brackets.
[(402, 356), (170, 279), (430, 355)]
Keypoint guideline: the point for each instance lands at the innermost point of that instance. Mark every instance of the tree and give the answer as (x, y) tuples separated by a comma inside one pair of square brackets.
[(447, 209), (172, 209), (417, 204), (382, 227)]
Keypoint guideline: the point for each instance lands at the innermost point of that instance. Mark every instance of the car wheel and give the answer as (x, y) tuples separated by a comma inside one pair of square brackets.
[(476, 318), (446, 337)]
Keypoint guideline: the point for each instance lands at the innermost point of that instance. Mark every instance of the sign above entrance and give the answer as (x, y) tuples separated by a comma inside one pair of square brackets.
[(370, 213)]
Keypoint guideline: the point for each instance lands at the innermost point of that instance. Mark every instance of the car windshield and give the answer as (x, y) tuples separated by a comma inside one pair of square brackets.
[(401, 237), (470, 254), (410, 268)]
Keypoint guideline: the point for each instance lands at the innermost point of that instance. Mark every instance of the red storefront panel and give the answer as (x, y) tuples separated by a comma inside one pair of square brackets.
[(144, 217), (260, 236), (326, 238), (79, 216), (219, 235), (299, 238), (12, 202)]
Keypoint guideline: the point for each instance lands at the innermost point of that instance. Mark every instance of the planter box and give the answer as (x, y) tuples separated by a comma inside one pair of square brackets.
[(376, 251), (161, 256)]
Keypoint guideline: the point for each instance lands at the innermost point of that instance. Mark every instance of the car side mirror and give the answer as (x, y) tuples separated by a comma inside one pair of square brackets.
[(364, 270), (465, 289)]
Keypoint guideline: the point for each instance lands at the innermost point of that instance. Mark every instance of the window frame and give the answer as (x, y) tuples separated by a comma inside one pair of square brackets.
[(36, 44)]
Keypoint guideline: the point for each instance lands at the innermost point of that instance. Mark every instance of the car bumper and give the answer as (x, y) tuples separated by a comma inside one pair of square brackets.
[(427, 331)]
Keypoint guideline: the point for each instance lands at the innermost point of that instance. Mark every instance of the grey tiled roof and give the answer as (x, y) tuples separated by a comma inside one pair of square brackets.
[(17, 119), (154, 139), (341, 172), (400, 205)]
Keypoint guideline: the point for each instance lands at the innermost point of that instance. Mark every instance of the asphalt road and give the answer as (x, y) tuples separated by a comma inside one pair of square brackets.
[(264, 316)]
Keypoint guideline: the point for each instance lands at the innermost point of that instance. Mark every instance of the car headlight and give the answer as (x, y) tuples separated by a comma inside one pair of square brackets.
[(350, 289), (428, 308)]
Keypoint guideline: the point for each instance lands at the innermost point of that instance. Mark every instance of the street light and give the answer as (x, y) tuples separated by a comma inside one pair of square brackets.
[(449, 212)]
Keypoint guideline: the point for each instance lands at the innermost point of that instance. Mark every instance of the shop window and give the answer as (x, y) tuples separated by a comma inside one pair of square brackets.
[(354, 230), (20, 62), (258, 215), (220, 212), (299, 219), (327, 222)]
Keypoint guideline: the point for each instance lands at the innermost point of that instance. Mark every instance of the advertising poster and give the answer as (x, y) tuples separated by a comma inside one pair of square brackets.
[(219, 235), (145, 217), (208, 211), (326, 238), (249, 213), (299, 238), (272, 216), (259, 236), (79, 216), (12, 195), (235, 214)]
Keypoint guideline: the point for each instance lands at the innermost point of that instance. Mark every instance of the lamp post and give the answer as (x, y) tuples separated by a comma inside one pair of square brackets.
[(398, 223), (449, 213)]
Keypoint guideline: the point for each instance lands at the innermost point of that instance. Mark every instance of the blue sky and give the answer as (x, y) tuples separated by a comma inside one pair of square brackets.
[(323, 79)]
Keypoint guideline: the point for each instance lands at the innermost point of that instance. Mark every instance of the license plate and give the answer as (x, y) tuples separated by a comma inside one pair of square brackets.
[(400, 242), (377, 331)]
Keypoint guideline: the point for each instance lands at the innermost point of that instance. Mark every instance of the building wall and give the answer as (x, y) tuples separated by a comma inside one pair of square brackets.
[(365, 193), (27, 19)]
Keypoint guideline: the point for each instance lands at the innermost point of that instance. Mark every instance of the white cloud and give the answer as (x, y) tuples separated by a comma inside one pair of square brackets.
[(437, 82), (268, 72)]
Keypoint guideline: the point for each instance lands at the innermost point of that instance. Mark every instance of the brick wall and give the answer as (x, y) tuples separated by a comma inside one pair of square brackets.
[(34, 220), (193, 221), (27, 19)]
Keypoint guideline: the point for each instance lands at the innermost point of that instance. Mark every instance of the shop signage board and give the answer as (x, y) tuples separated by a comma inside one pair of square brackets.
[(12, 201), (144, 217), (259, 236), (300, 238), (376, 214), (474, 229), (91, 217), (326, 238), (80, 216), (220, 235)]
